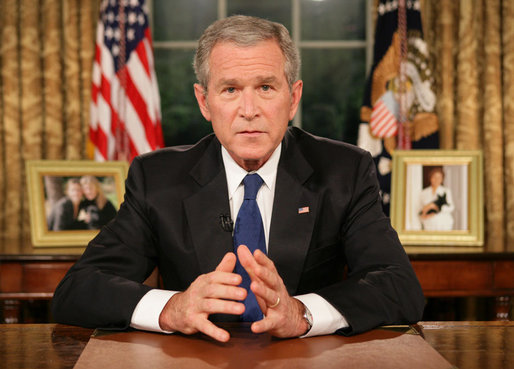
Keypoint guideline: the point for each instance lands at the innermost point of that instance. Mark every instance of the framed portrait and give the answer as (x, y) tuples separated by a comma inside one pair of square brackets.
[(437, 197), (70, 201)]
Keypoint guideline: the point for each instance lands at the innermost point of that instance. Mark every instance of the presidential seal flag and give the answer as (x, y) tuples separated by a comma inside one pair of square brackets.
[(125, 103), (399, 101)]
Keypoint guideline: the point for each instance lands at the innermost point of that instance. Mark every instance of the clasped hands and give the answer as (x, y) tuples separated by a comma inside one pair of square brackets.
[(218, 292)]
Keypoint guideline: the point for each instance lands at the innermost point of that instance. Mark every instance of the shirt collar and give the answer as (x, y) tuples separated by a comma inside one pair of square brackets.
[(235, 174)]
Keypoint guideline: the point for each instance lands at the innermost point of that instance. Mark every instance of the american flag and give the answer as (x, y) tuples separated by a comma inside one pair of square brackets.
[(377, 126), (125, 104), (384, 116), (303, 210)]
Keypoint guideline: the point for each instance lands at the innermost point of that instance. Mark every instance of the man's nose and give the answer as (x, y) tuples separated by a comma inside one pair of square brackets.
[(248, 106)]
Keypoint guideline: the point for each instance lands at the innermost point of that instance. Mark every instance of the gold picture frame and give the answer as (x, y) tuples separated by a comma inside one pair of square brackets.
[(437, 197), (54, 219)]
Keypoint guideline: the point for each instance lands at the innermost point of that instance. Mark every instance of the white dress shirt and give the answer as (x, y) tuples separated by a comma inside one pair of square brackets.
[(326, 319)]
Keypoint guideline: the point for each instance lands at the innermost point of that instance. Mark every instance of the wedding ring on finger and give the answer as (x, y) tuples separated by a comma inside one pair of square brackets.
[(275, 304)]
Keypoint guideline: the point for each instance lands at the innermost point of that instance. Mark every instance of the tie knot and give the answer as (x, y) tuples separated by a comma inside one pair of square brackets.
[(252, 184)]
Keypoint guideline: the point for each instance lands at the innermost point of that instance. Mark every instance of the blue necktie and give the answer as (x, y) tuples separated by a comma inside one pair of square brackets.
[(250, 232)]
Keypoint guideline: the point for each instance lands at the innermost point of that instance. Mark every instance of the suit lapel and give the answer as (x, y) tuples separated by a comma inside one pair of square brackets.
[(290, 232), (204, 207), (291, 229)]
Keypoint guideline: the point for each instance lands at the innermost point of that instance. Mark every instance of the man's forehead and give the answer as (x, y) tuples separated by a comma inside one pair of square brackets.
[(234, 63), (232, 47)]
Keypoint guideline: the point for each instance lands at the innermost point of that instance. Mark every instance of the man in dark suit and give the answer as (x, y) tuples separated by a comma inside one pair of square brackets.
[(331, 261)]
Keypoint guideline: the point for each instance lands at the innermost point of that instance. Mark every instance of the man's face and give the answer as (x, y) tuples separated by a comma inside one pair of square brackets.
[(249, 101)]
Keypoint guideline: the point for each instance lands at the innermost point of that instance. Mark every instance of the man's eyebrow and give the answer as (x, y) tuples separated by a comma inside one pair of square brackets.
[(235, 82), (225, 82), (269, 79)]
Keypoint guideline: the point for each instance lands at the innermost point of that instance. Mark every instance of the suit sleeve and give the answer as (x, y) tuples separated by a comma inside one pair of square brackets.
[(381, 286), (103, 288)]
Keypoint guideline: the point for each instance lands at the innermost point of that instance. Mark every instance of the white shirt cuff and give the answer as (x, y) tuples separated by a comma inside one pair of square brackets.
[(149, 308), (325, 318)]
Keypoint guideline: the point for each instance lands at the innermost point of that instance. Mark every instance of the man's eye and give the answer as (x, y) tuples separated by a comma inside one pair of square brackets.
[(266, 87), (230, 90)]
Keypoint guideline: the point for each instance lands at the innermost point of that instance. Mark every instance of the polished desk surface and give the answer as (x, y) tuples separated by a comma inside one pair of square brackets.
[(24, 346), (473, 344), (464, 344)]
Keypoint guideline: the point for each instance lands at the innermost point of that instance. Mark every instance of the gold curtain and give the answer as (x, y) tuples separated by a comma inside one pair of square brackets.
[(46, 53), (472, 42)]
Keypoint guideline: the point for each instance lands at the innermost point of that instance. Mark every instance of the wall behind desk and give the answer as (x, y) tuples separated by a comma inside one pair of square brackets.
[(46, 53), (47, 48)]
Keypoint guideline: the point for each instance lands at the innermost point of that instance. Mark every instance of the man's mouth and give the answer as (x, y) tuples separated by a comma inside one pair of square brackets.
[(251, 133)]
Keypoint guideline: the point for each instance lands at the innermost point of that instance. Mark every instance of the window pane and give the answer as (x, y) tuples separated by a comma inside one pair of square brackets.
[(332, 94), (182, 19), (182, 122), (274, 10), (333, 19)]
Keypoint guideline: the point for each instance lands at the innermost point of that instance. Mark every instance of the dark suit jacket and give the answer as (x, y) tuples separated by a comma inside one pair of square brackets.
[(343, 249)]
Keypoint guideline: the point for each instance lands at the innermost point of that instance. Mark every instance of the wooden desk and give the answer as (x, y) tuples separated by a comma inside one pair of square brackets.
[(397, 348), (43, 346), (478, 274), (470, 345), (29, 277), (32, 277)]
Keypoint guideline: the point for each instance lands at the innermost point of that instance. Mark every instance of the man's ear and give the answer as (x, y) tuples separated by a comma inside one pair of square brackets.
[(201, 97)]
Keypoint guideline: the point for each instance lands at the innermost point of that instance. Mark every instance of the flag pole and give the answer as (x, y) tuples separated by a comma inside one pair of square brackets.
[(404, 140), (121, 135)]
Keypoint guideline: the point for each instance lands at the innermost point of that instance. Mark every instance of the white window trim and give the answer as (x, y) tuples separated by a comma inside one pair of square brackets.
[(366, 44)]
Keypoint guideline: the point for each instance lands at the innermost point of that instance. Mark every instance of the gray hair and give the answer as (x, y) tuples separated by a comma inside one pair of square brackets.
[(245, 31)]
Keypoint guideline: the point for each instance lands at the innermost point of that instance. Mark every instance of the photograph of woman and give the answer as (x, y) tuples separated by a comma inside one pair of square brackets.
[(436, 198), (96, 209), (65, 212), (436, 203), (71, 200)]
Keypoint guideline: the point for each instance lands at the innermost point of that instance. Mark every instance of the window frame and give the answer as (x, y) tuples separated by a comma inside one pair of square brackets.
[(366, 44)]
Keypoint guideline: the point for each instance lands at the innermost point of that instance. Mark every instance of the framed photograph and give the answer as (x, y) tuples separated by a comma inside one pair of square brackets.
[(69, 201), (437, 197)]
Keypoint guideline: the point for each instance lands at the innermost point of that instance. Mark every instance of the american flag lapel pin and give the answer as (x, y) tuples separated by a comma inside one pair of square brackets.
[(303, 210)]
